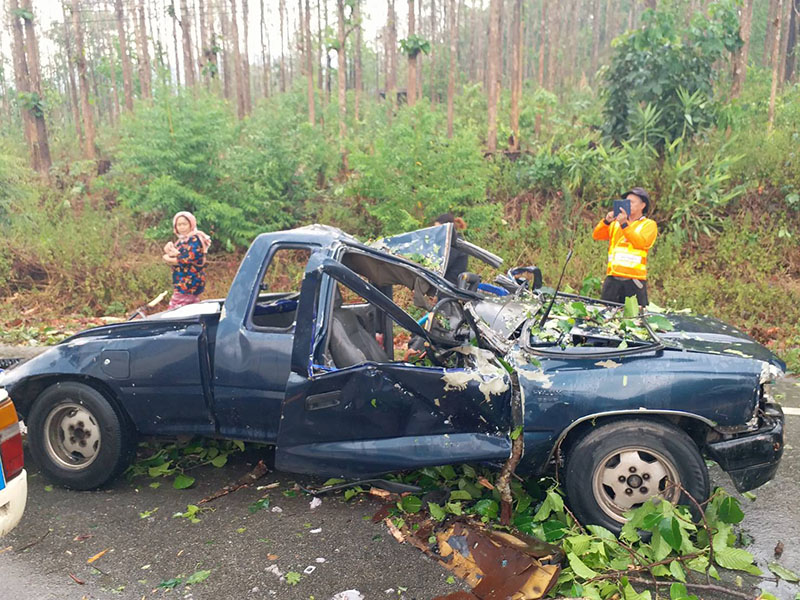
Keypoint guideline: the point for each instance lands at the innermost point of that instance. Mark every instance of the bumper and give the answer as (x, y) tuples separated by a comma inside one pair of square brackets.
[(12, 502), (751, 459)]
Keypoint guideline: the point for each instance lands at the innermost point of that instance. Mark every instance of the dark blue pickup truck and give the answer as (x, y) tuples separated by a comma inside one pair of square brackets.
[(307, 353)]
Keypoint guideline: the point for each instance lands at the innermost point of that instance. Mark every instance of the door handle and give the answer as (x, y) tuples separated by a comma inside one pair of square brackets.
[(324, 400)]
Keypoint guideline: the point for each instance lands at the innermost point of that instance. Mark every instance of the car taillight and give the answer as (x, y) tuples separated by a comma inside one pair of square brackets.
[(10, 440)]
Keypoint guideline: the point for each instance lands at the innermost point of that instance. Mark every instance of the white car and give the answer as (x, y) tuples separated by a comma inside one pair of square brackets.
[(13, 479)]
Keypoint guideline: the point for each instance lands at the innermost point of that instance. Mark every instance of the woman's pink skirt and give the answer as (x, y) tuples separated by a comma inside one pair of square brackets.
[(178, 299)]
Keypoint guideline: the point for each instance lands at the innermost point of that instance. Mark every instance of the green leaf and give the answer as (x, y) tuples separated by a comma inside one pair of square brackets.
[(293, 578), (670, 530), (447, 471), (487, 508), (516, 433), (601, 532), (220, 461), (169, 584), (183, 481), (783, 573), (437, 512), (410, 504), (197, 577), (454, 508), (333, 481), (733, 558), (729, 510), (631, 307), (579, 567), (451, 580), (460, 495), (554, 530), (678, 591), (676, 570), (659, 323), (469, 471), (239, 444)]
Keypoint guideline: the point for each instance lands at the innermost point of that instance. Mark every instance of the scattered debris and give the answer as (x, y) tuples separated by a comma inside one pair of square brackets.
[(82, 537), (317, 530), (348, 595), (276, 509), (778, 549), (275, 571), (608, 364), (75, 579), (315, 503), (309, 569), (97, 556), (257, 473), (319, 560), (396, 533)]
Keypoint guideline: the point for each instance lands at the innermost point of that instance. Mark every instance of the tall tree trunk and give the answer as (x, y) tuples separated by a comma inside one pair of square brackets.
[(791, 42), (611, 24), (23, 81), (391, 58), (175, 46), (188, 62), (451, 71), (309, 66), (328, 85), (238, 76), (76, 113), (320, 79), (769, 37), (787, 22), (552, 46), (774, 63), (127, 69), (145, 79), (264, 61), (741, 55), (433, 52), (359, 84), (419, 56), (202, 45), (493, 73), (516, 71), (411, 92), (282, 9), (341, 73), (86, 109), (543, 27), (228, 77), (248, 96), (596, 29)]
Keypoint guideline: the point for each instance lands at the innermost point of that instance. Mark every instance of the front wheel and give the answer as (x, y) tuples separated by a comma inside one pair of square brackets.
[(77, 437), (616, 467)]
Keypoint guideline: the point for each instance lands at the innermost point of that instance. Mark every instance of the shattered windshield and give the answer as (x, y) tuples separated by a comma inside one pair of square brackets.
[(429, 247), (572, 323)]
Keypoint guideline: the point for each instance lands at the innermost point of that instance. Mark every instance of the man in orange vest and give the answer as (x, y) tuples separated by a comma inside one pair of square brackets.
[(630, 237)]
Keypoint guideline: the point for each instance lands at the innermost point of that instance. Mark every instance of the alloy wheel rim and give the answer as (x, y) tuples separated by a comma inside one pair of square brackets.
[(72, 436), (628, 477)]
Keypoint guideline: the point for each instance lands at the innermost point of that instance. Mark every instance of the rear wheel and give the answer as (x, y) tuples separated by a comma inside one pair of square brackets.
[(618, 466), (77, 437)]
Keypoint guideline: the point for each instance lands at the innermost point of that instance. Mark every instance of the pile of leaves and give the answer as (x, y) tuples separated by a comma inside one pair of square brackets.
[(661, 545), (569, 322), (176, 459)]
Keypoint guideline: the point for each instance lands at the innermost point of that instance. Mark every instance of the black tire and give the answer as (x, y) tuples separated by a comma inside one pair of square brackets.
[(77, 436), (651, 449)]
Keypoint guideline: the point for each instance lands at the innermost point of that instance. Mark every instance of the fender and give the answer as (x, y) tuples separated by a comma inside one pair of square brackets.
[(616, 413)]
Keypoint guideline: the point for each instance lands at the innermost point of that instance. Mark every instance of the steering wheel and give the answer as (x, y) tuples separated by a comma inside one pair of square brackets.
[(438, 357)]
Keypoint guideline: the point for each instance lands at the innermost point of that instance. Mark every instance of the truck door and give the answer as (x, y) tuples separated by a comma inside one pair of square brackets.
[(381, 414), (251, 363)]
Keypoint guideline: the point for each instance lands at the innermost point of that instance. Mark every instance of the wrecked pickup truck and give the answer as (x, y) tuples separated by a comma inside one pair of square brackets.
[(307, 353)]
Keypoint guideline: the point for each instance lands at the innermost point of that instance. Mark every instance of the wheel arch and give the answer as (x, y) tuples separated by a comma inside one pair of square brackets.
[(696, 426), (36, 385)]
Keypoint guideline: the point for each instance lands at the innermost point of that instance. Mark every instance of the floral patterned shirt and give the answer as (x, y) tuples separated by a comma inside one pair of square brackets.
[(188, 276)]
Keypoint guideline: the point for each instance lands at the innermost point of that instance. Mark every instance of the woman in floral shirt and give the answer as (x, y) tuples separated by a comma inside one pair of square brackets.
[(188, 258)]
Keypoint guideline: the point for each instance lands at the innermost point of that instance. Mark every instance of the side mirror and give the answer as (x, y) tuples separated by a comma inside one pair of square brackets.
[(468, 281), (516, 273)]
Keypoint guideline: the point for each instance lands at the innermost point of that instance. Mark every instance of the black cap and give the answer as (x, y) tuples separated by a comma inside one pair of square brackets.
[(642, 193)]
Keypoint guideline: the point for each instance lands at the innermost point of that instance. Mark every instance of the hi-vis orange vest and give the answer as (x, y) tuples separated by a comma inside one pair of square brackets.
[(627, 248)]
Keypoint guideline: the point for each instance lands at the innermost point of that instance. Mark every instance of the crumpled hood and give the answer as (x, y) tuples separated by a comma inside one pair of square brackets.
[(712, 336)]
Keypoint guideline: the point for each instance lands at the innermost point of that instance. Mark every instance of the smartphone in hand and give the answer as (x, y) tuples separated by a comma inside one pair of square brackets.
[(620, 205)]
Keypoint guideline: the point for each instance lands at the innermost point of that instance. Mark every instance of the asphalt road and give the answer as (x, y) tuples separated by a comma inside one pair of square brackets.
[(246, 553)]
